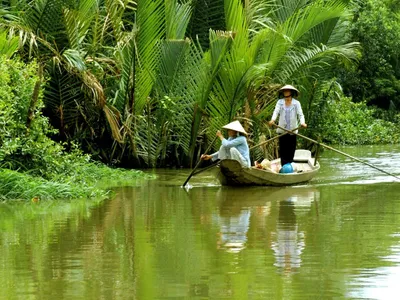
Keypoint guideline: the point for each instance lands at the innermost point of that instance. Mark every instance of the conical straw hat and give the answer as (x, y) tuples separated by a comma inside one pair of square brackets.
[(236, 126), (289, 87)]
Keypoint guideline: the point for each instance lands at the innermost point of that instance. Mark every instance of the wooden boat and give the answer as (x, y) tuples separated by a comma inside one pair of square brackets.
[(230, 172)]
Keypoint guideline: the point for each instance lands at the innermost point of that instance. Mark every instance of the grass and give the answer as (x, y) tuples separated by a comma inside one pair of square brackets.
[(88, 180)]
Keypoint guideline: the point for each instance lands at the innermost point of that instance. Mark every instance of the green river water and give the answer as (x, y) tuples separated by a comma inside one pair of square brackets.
[(337, 237)]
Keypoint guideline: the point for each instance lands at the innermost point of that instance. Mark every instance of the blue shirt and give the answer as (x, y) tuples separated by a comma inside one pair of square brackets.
[(240, 143)]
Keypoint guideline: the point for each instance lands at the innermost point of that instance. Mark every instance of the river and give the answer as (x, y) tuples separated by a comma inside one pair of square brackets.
[(337, 237)]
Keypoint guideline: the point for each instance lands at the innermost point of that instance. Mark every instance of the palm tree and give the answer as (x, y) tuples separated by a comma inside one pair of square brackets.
[(297, 44), (125, 78)]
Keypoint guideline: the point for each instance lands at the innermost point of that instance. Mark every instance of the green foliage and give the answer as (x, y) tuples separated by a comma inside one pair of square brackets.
[(287, 49), (341, 121), (376, 79), (8, 45), (207, 14), (139, 92), (33, 164)]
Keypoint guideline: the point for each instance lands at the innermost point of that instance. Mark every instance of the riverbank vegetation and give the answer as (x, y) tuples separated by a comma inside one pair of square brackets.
[(32, 165), (147, 83)]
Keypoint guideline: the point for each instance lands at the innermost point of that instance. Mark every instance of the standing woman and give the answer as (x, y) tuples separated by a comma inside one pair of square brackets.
[(290, 114)]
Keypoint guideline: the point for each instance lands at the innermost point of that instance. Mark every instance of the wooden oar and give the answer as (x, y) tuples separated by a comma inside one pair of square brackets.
[(199, 162), (338, 151), (206, 168)]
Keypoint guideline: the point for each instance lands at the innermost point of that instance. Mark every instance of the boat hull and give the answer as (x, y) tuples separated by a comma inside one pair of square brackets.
[(231, 173)]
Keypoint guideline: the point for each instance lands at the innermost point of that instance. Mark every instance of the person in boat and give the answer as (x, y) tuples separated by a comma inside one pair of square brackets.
[(290, 114), (234, 147)]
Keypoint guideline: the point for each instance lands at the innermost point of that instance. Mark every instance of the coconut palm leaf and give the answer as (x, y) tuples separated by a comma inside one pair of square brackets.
[(207, 14), (74, 60), (295, 27), (177, 83), (315, 62), (310, 16), (117, 13), (77, 22), (185, 80), (44, 18), (8, 45), (125, 60), (207, 68), (149, 140), (228, 94), (338, 29), (265, 54), (150, 23), (286, 8), (260, 14), (181, 77), (139, 59), (177, 18), (62, 94), (173, 57)]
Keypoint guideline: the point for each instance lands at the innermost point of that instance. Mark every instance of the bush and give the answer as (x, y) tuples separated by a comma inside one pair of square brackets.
[(344, 122), (33, 165)]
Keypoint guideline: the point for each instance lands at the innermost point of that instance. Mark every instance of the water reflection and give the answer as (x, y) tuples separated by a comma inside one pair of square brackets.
[(249, 213), (158, 241), (288, 242), (233, 222)]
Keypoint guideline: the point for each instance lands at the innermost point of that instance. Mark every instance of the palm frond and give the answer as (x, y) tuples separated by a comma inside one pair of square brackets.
[(150, 23), (8, 44), (93, 88), (207, 70), (77, 22), (316, 61), (60, 97), (179, 83), (260, 14), (289, 34), (286, 8), (207, 14), (116, 12), (147, 139), (74, 60), (236, 21), (113, 118), (44, 18), (310, 16), (177, 17), (125, 59), (172, 60)]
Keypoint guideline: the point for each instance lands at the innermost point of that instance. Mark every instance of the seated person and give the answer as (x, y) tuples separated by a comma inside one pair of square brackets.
[(235, 147)]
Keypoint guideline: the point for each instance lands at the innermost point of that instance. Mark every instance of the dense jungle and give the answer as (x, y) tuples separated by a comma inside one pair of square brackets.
[(92, 91)]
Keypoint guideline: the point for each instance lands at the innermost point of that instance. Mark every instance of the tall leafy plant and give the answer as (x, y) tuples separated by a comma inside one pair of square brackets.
[(287, 49)]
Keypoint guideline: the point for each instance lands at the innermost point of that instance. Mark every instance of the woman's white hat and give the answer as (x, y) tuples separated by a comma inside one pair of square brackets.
[(289, 87), (236, 126)]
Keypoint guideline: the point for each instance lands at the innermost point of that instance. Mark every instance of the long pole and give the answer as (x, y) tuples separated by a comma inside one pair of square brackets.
[(338, 151), (273, 138), (198, 163)]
